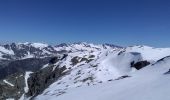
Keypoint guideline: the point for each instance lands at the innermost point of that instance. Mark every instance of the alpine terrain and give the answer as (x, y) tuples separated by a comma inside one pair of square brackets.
[(83, 71)]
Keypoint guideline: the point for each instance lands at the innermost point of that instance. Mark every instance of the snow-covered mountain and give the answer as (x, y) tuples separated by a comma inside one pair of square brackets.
[(15, 51), (82, 71), (149, 83), (19, 57), (26, 50), (108, 67)]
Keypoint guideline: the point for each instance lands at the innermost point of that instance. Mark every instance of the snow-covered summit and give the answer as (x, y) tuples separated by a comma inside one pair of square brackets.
[(83, 46)]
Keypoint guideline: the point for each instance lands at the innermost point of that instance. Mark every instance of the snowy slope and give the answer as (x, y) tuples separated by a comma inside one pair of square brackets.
[(149, 83), (108, 65), (150, 53), (103, 72), (154, 88)]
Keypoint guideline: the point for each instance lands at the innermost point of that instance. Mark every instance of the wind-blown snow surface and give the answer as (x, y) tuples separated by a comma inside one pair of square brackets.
[(100, 79)]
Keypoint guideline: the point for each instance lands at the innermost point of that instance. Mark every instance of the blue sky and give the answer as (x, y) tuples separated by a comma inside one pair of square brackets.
[(121, 22)]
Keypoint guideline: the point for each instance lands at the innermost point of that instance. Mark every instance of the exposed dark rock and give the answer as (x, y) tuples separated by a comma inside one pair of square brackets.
[(168, 72), (30, 64), (91, 56), (15, 91), (40, 80), (22, 50), (4, 63), (120, 52), (54, 60), (89, 60), (94, 65), (110, 80), (111, 45), (75, 60), (139, 64), (64, 56), (62, 45), (122, 77), (88, 78), (84, 59), (160, 60)]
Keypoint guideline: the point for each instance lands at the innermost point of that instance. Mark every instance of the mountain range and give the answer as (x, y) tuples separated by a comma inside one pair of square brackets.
[(83, 71)]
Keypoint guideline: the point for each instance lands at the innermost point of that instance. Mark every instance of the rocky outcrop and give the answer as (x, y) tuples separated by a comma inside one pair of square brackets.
[(76, 60), (12, 86), (17, 66), (140, 64), (53, 60), (40, 80)]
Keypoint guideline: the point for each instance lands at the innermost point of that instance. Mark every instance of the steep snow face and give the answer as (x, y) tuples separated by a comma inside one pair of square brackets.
[(149, 83)]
